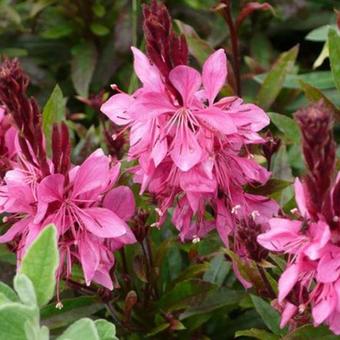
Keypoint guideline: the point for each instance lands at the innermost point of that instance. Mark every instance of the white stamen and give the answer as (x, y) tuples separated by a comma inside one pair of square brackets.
[(59, 306), (154, 225), (254, 214), (159, 211), (294, 211), (196, 239), (302, 308), (235, 209), (336, 219)]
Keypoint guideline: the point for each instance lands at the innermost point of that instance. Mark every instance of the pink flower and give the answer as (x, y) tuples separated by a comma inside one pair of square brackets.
[(89, 214), (188, 144), (71, 202)]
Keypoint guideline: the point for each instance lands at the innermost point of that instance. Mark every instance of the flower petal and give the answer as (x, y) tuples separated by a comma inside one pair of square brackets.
[(51, 188), (187, 81), (116, 108), (102, 222), (288, 312), (248, 115), (149, 105), (325, 304), (92, 174), (146, 72), (217, 119), (186, 152), (121, 201), (300, 198), (14, 230), (214, 74), (328, 268), (287, 281), (89, 258)]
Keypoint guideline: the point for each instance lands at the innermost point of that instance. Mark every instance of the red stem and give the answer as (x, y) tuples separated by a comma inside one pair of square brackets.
[(226, 13)]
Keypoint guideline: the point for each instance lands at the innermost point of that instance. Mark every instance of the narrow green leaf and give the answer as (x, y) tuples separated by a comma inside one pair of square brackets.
[(84, 59), (218, 270), (81, 329), (274, 80), (214, 299), (199, 48), (106, 330), (308, 332), (54, 112), (314, 95), (73, 309), (99, 29), (334, 55), (24, 287), (320, 33), (158, 329), (323, 80), (272, 186), (268, 314), (40, 264), (286, 125), (257, 334)]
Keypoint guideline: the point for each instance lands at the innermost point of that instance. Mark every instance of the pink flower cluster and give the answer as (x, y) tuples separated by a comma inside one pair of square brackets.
[(312, 276), (81, 201), (192, 148)]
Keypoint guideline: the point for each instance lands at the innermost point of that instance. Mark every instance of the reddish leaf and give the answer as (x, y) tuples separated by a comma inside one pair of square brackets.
[(249, 8), (337, 13)]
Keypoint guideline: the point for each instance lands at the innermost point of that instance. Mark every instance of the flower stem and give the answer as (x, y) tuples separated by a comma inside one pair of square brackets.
[(226, 14)]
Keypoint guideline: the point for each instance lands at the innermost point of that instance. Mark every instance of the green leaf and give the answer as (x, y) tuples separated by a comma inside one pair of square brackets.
[(158, 329), (320, 33), (314, 95), (198, 47), (268, 314), (81, 329), (4, 299), (84, 59), (323, 80), (324, 54), (334, 55), (6, 255), (24, 287), (8, 292), (98, 9), (13, 317), (218, 270), (99, 29), (182, 294), (257, 334), (286, 125), (40, 264), (106, 330), (73, 309), (274, 80), (308, 332), (61, 30), (272, 186), (44, 333), (211, 300), (54, 112)]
